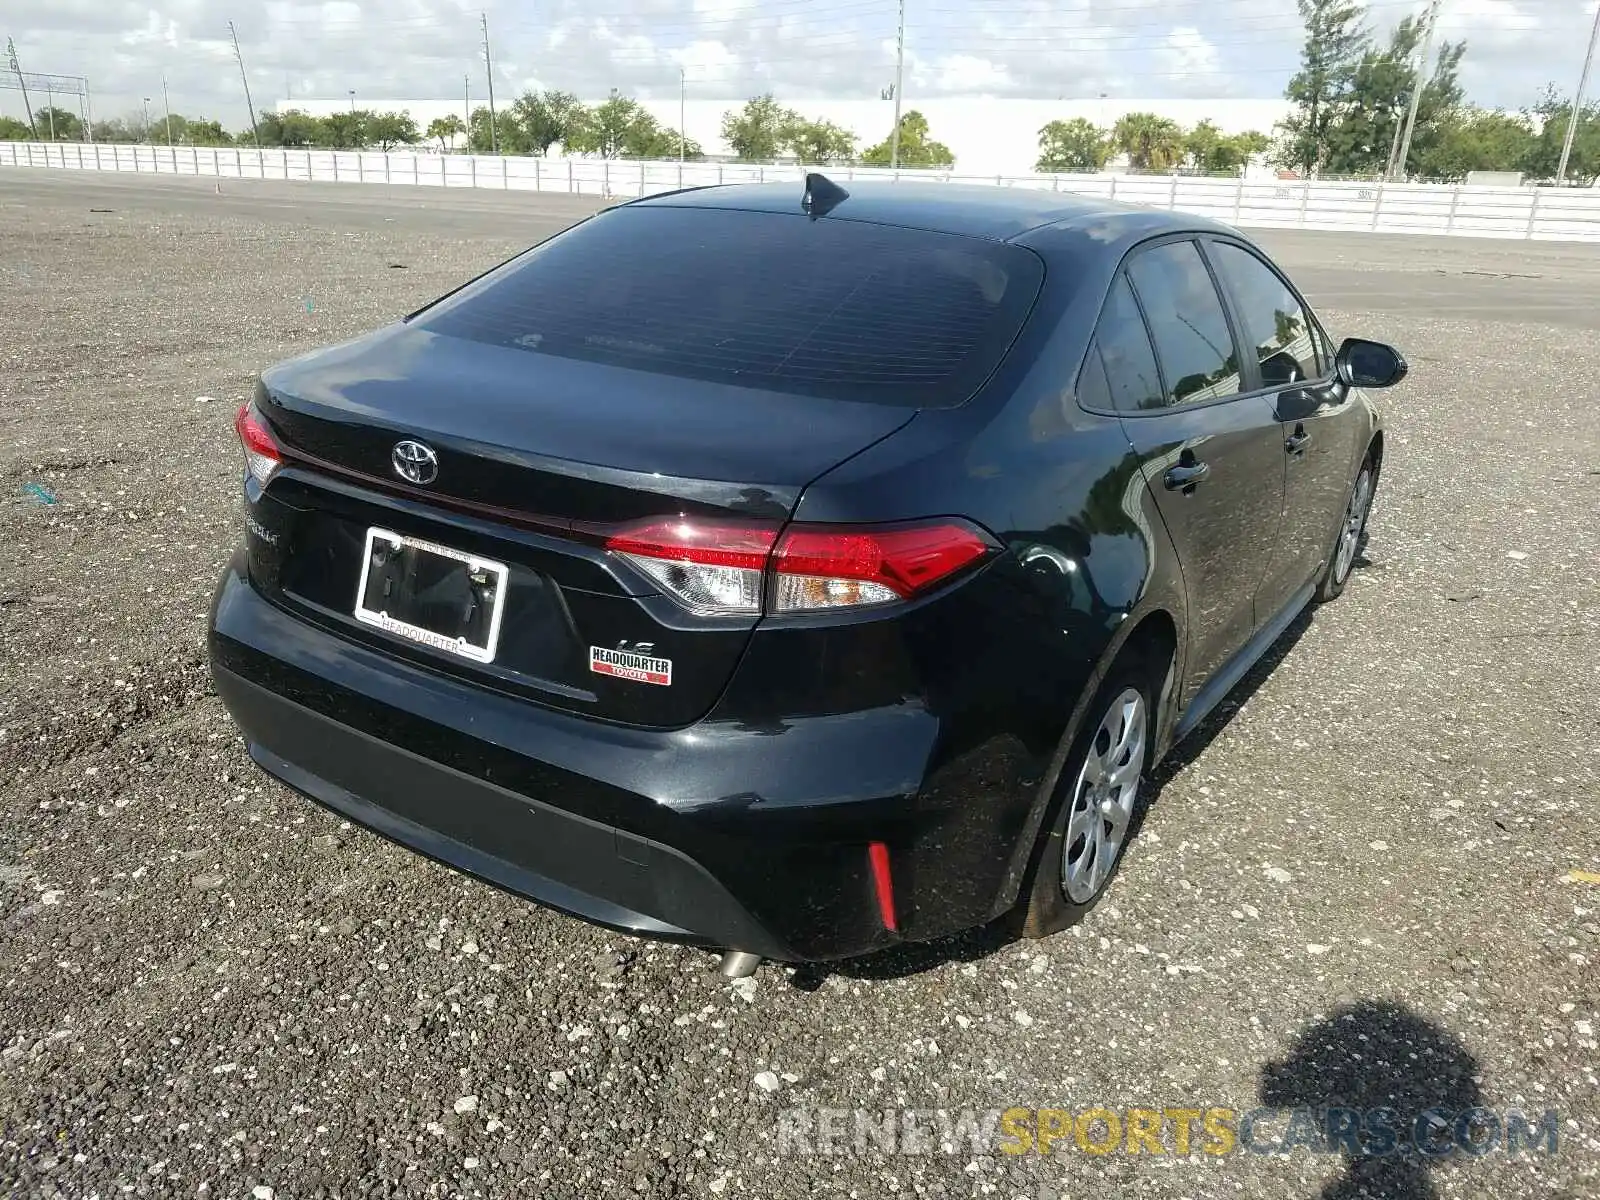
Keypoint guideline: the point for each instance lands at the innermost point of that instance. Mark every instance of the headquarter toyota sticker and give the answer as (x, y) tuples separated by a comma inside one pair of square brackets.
[(625, 664)]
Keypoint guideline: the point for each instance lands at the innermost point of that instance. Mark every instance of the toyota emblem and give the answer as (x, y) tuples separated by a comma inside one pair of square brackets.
[(414, 462)]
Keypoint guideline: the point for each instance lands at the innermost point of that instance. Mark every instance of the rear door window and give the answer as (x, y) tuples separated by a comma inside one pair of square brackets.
[(830, 308), (1120, 370), (1276, 324), (1187, 322)]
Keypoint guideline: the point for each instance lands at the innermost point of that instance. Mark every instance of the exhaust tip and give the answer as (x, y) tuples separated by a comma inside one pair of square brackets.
[(738, 964)]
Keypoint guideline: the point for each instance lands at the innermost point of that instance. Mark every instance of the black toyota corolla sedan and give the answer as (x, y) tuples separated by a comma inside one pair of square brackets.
[(793, 571)]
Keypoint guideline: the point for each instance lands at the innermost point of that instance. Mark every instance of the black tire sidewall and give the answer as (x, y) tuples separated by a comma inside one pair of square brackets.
[(1332, 588), (1048, 908)]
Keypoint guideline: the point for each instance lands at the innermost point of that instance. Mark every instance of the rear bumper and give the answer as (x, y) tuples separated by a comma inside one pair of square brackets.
[(578, 866), (736, 833)]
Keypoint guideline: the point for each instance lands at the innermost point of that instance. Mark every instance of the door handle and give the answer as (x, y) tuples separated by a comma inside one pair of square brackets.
[(1186, 476), (1297, 441)]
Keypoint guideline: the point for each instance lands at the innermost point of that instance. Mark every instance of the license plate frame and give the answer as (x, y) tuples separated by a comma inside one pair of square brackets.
[(455, 645)]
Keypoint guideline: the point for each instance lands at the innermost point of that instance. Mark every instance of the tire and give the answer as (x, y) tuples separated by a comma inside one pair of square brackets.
[(1071, 868), (1351, 539)]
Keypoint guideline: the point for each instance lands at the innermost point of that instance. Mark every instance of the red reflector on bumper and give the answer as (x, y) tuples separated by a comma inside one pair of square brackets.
[(883, 883)]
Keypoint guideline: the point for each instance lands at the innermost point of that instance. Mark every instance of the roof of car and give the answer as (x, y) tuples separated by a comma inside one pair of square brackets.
[(972, 210)]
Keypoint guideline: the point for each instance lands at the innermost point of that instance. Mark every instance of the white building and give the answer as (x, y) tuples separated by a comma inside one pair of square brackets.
[(986, 134)]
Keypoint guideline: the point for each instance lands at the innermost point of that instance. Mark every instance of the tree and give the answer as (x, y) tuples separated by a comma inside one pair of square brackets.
[(58, 124), (1543, 155), (445, 128), (390, 129), (548, 118), (1335, 42), (343, 130), (1472, 139), (1248, 144), (759, 130), (917, 149), (192, 131), (1212, 152), (13, 130), (1202, 146), (291, 127), (1151, 143), (1075, 145), (819, 141), (198, 131), (621, 127), (1361, 136), (118, 129), (509, 135)]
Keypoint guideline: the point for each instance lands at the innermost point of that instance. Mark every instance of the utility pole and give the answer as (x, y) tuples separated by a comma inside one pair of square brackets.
[(683, 110), (50, 106), (1399, 169), (1577, 101), (488, 67), (88, 113), (147, 118), (899, 77), (167, 101), (11, 53), (255, 130), (1394, 147), (466, 100)]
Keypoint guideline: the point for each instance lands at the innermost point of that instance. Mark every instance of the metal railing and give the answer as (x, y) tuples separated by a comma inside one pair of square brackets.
[(1565, 214)]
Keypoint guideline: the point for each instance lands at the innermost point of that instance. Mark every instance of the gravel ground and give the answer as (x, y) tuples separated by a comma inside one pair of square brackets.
[(1363, 884)]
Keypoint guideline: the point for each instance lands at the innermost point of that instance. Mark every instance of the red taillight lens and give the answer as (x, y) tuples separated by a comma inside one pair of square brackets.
[(262, 454), (716, 567), (846, 568)]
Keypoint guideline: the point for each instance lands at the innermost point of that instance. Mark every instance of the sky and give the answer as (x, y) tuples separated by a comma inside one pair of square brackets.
[(732, 49)]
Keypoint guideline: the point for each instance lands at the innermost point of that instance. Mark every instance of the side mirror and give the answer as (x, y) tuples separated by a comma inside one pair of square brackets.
[(1365, 364)]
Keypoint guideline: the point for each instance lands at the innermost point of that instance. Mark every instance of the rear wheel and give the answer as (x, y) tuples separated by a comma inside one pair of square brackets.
[(1100, 801), (1352, 537)]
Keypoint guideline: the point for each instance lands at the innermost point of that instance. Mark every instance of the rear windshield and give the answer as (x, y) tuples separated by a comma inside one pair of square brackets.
[(828, 308)]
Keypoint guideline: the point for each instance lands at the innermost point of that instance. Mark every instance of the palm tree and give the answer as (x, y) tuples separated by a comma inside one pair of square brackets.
[(444, 128), (1151, 143)]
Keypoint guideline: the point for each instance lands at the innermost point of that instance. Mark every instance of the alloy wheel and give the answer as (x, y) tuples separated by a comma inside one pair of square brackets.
[(1355, 521), (1103, 799)]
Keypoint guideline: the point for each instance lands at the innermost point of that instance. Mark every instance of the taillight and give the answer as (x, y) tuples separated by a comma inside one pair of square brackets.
[(262, 454), (840, 567), (709, 567), (721, 567)]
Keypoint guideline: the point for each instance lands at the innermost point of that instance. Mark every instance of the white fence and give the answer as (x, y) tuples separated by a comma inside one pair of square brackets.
[(1567, 214)]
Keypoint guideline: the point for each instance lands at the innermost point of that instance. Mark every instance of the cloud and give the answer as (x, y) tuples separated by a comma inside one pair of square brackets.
[(731, 49)]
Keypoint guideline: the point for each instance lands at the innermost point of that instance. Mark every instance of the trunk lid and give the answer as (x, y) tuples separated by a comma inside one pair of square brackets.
[(537, 458)]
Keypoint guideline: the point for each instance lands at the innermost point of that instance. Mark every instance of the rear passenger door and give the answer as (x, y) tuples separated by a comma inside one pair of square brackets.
[(1321, 431), (1164, 359)]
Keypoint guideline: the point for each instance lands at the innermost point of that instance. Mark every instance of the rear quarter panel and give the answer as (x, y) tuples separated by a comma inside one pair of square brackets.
[(1086, 555)]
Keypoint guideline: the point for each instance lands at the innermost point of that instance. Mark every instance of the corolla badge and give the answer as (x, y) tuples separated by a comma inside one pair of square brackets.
[(414, 462)]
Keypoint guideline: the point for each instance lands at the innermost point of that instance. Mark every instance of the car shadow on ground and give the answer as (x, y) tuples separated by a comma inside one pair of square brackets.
[(1370, 1066), (975, 945)]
